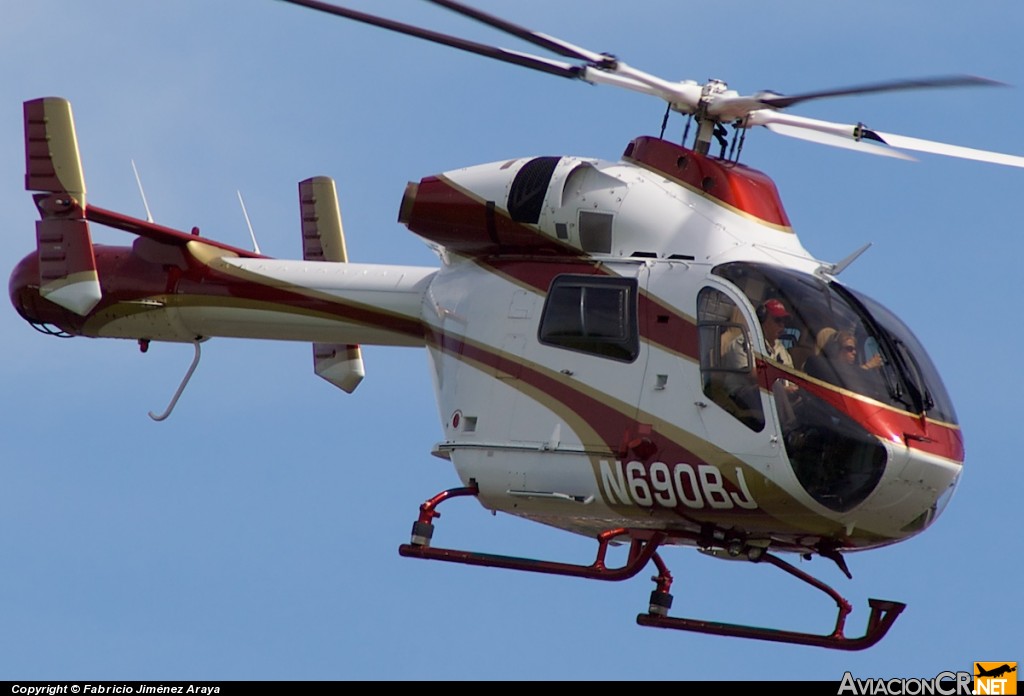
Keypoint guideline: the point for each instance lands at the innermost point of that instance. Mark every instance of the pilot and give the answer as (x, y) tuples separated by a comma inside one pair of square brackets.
[(773, 316), (742, 384)]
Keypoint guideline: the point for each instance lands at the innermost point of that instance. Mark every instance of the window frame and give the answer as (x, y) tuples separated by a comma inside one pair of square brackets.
[(623, 348), (722, 384)]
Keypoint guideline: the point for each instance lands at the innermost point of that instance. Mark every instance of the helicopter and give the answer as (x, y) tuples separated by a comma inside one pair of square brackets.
[(694, 474)]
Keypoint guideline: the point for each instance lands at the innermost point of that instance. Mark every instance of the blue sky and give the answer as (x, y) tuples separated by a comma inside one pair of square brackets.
[(254, 534)]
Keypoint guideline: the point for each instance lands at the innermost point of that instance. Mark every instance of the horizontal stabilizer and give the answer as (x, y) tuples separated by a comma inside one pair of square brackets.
[(323, 239), (53, 168)]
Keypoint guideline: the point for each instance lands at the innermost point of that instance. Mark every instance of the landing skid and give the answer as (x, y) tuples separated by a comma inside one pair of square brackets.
[(641, 551), (883, 614)]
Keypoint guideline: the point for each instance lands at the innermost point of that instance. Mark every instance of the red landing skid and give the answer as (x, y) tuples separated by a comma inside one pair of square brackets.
[(642, 550)]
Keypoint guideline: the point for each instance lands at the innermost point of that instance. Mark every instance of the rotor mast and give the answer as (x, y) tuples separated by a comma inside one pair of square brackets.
[(705, 125)]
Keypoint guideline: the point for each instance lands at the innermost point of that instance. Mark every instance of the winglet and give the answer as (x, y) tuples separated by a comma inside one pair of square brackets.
[(341, 365), (67, 264), (323, 239), (52, 163)]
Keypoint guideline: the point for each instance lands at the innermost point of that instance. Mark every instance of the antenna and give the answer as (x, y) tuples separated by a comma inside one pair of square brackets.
[(145, 204), (255, 244), (835, 269)]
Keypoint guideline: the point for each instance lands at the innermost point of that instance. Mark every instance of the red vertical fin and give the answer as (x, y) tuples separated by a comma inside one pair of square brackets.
[(67, 264)]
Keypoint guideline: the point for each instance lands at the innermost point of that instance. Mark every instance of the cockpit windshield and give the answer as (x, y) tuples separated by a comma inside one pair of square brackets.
[(841, 337)]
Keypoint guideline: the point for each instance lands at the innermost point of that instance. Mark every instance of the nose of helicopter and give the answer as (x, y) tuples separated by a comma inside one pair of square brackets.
[(919, 482), (927, 483)]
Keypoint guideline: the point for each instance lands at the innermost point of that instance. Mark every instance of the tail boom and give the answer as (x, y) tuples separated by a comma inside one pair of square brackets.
[(161, 293), (178, 286)]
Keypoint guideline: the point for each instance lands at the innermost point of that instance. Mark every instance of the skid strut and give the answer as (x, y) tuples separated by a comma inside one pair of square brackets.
[(640, 551), (883, 614)]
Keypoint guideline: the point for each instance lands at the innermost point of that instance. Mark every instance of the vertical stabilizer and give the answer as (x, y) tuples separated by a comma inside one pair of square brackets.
[(341, 365), (324, 240), (53, 168)]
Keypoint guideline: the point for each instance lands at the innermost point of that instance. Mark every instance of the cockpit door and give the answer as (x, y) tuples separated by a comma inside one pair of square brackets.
[(732, 395), (589, 356)]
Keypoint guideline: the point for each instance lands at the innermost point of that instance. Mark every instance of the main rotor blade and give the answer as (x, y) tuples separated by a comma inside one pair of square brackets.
[(525, 60), (834, 140), (831, 133), (601, 69), (918, 145), (782, 101), (562, 48)]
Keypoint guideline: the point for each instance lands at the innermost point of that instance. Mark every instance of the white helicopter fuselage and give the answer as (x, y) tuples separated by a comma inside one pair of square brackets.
[(577, 349), (586, 443), (641, 351)]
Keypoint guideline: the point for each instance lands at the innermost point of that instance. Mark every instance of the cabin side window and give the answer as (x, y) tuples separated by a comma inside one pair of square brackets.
[(727, 359), (594, 315)]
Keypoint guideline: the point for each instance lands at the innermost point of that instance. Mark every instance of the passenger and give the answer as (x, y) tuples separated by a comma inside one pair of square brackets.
[(817, 365), (824, 337), (841, 354), (847, 347)]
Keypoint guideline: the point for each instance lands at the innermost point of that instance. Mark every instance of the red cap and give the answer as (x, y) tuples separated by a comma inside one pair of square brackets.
[(774, 308)]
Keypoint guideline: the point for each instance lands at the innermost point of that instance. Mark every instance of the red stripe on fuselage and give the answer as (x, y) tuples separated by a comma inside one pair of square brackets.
[(664, 326), (444, 213), (625, 438), (214, 283), (660, 324), (607, 422), (940, 439)]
